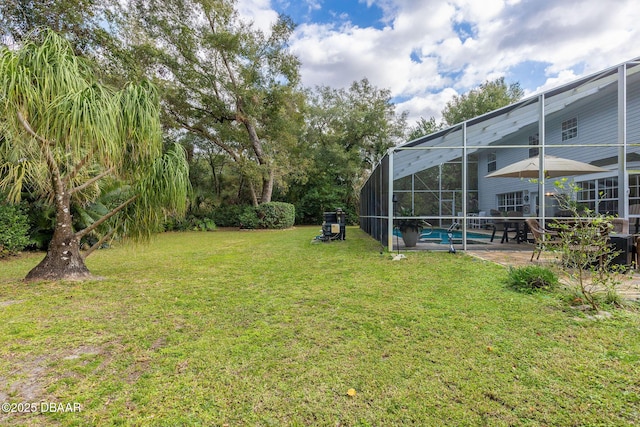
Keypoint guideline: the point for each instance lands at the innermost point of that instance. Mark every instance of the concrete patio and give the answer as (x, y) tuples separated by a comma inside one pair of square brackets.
[(517, 257)]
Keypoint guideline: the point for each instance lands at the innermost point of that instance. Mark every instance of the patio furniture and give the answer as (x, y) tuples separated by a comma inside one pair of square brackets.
[(519, 226), (625, 244), (634, 209), (615, 233), (542, 238), (554, 167), (508, 224), (622, 245), (472, 219), (478, 222), (620, 225), (497, 222)]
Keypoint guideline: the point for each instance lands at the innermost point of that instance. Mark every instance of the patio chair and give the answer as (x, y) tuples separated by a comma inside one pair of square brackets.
[(497, 222), (478, 222), (620, 225), (541, 237)]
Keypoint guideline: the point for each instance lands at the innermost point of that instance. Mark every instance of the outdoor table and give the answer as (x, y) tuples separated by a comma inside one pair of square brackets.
[(517, 225), (508, 225), (623, 244)]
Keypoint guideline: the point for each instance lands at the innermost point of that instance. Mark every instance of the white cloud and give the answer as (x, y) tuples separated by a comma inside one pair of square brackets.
[(461, 44), (429, 104), (259, 12)]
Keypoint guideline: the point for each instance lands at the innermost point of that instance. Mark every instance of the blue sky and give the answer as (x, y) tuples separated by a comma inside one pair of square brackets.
[(427, 51), (333, 12)]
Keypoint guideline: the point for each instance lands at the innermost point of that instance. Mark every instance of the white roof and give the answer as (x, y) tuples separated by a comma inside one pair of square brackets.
[(491, 128)]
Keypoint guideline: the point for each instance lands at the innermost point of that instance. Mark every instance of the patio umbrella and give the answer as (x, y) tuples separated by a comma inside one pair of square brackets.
[(554, 167)]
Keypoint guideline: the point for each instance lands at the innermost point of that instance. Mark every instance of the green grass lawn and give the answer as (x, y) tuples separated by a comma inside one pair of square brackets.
[(265, 328)]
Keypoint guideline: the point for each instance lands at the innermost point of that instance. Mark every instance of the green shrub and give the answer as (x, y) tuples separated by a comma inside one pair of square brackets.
[(276, 215), (190, 223), (42, 219), (14, 230), (272, 215), (175, 224), (531, 278), (228, 215), (204, 224), (249, 218)]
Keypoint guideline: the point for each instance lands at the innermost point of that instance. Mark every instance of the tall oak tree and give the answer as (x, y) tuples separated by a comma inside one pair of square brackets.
[(225, 81)]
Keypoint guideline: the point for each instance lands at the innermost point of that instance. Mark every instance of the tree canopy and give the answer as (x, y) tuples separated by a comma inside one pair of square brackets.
[(347, 132), (489, 96), (230, 84)]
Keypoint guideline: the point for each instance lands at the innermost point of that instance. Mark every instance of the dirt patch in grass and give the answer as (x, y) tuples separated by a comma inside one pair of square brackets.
[(32, 374), (8, 303), (84, 350), (29, 386)]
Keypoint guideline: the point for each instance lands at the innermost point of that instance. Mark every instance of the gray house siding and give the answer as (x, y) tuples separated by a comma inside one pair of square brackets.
[(597, 124)]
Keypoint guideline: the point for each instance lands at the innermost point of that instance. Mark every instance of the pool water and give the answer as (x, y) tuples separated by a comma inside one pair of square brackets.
[(439, 235)]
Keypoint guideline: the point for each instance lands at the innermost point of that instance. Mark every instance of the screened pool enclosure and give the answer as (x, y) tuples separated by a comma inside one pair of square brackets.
[(442, 178)]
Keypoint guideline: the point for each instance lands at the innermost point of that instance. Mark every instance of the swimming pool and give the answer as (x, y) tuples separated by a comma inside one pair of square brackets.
[(439, 235)]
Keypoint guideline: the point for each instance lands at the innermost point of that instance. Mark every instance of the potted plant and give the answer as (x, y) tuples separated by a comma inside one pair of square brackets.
[(410, 228)]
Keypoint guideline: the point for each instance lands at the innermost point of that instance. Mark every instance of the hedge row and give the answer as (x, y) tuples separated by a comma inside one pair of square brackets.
[(272, 215), (14, 230)]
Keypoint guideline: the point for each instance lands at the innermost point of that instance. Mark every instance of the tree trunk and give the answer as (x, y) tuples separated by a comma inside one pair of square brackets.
[(267, 188), (63, 260), (254, 194)]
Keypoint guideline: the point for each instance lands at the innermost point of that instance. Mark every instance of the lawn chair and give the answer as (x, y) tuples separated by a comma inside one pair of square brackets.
[(479, 222), (541, 237), (620, 225), (497, 222)]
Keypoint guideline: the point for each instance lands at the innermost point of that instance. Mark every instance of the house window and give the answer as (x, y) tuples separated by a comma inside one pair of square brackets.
[(634, 190), (491, 162), (569, 129), (599, 195), (534, 140), (510, 201)]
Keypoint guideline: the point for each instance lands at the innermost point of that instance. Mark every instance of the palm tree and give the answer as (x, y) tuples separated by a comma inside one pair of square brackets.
[(65, 134)]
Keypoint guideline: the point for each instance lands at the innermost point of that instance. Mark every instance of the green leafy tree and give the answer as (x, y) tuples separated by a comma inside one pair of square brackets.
[(424, 127), (14, 233), (93, 27), (587, 254), (490, 96), (66, 134), (82, 21), (230, 84), (348, 131)]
